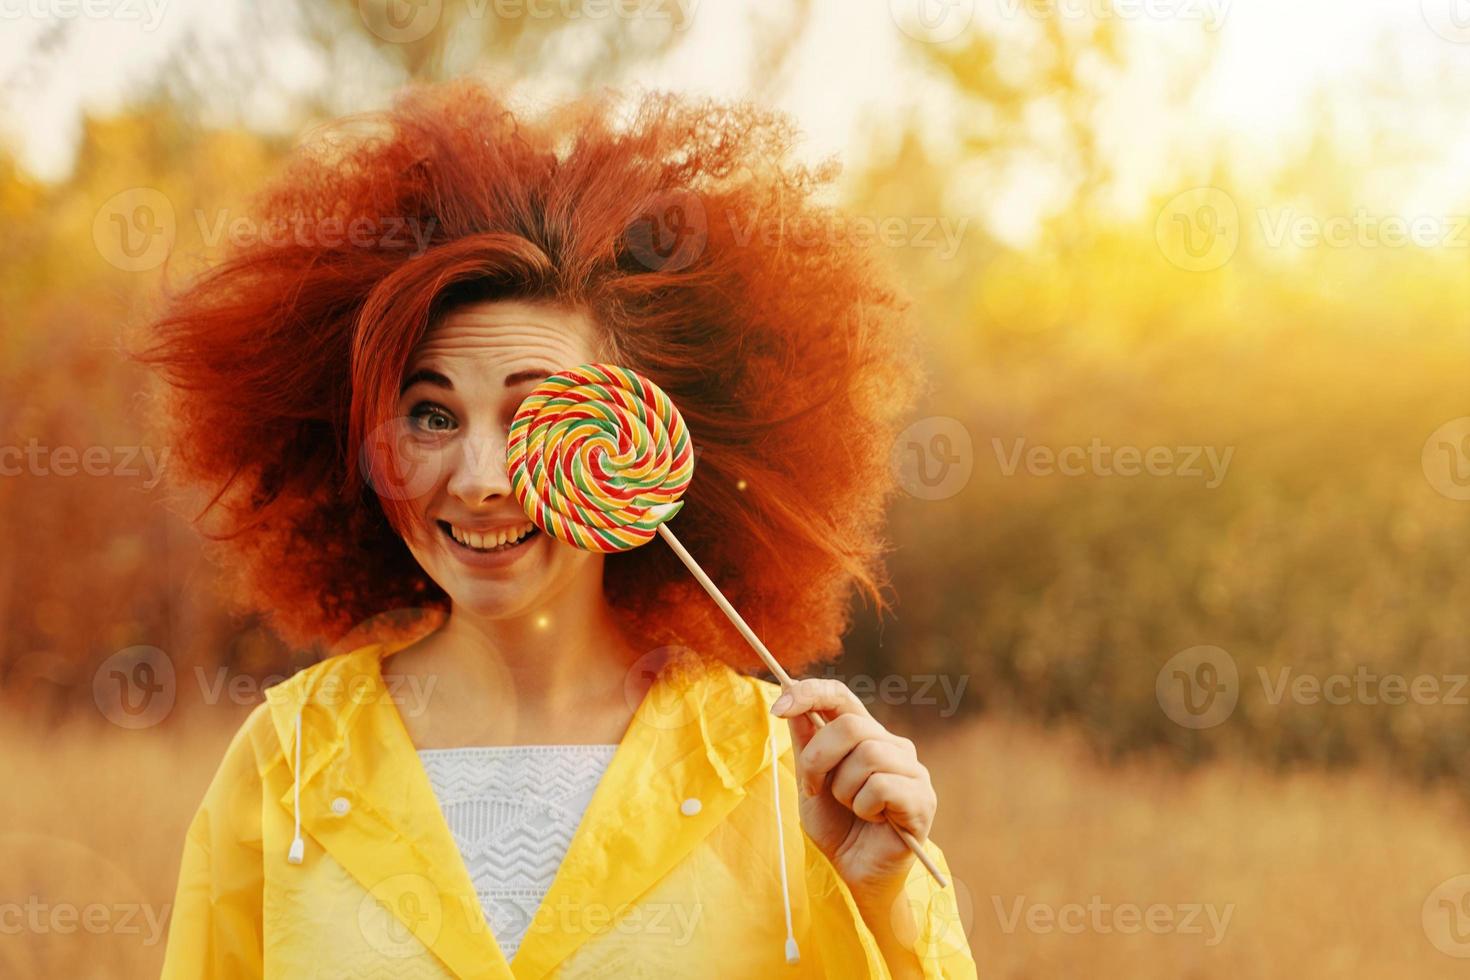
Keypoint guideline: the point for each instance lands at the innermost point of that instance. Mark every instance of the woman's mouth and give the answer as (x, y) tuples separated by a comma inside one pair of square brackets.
[(487, 543)]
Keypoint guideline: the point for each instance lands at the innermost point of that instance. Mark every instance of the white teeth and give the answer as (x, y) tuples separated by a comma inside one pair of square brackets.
[(486, 541)]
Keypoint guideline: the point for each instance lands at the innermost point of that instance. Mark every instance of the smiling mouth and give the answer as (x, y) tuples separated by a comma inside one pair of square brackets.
[(487, 543)]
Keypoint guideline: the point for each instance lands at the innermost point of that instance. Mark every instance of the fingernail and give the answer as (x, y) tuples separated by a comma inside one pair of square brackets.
[(782, 703)]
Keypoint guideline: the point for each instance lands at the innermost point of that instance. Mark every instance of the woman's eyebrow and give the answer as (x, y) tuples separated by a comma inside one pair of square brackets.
[(521, 377), (427, 376)]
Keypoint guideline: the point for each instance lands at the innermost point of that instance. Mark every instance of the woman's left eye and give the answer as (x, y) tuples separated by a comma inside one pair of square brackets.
[(431, 418)]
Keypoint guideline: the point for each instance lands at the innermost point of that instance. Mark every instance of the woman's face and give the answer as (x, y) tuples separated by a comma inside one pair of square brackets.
[(460, 392)]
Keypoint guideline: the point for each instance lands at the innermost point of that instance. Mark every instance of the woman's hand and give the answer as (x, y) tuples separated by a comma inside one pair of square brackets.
[(852, 775)]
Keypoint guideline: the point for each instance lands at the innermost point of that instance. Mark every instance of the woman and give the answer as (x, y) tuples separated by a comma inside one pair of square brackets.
[(563, 766)]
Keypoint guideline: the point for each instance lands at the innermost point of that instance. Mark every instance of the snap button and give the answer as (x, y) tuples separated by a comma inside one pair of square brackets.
[(341, 805), (690, 807)]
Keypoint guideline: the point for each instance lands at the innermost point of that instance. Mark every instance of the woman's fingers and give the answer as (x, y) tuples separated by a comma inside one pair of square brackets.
[(827, 695), (870, 757), (909, 800), (872, 769), (830, 745)]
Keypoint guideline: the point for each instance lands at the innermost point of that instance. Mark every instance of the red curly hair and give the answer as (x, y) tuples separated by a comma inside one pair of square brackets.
[(791, 357)]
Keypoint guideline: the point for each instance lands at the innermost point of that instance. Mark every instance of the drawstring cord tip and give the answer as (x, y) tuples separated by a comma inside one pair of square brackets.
[(297, 853), (793, 955)]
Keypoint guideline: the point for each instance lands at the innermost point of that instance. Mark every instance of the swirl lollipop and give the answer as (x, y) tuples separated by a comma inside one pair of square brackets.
[(599, 457)]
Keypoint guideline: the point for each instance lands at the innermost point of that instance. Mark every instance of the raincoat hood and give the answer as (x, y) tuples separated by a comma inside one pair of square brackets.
[(689, 856)]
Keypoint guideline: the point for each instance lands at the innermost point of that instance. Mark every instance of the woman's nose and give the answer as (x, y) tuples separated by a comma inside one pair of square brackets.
[(478, 470)]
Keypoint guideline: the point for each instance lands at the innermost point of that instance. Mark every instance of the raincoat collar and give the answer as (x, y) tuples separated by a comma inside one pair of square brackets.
[(701, 732)]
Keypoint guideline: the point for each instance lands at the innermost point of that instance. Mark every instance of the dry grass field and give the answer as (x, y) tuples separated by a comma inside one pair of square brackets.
[(1066, 867)]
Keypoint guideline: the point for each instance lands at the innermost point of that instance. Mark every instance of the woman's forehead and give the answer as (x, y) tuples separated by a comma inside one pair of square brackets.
[(502, 333)]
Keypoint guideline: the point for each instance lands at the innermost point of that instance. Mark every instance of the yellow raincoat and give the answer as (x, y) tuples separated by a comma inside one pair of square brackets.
[(653, 883)]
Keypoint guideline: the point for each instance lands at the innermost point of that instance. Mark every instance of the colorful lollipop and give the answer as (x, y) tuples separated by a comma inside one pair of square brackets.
[(599, 457)]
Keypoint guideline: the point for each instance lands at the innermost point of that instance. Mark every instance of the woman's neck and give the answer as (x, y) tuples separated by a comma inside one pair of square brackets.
[(556, 674)]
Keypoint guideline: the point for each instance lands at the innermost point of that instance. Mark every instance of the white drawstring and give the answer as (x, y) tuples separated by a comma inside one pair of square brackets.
[(298, 846), (793, 955)]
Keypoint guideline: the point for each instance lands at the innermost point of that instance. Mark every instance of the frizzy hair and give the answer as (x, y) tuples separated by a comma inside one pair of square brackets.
[(791, 357)]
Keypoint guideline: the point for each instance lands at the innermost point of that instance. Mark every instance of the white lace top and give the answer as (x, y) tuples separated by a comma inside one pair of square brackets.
[(513, 811)]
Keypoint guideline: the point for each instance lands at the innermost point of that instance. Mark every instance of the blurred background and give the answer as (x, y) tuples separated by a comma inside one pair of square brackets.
[(1182, 603)]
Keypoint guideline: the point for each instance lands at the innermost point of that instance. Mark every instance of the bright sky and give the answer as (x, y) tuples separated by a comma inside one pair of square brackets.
[(853, 76)]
